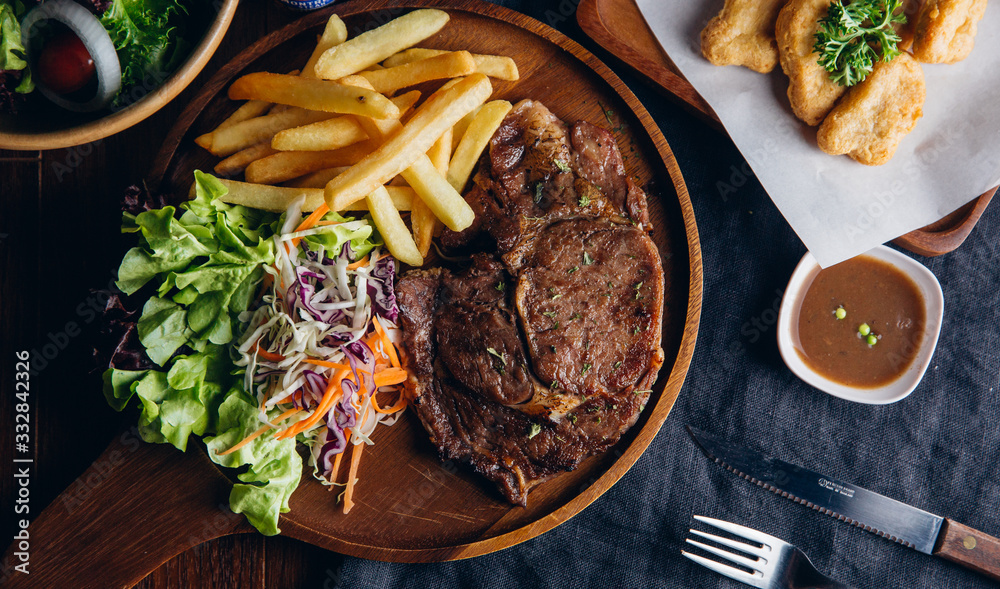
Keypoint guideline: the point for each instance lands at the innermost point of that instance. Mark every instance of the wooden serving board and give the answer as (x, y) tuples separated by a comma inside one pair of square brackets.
[(146, 503), (619, 27)]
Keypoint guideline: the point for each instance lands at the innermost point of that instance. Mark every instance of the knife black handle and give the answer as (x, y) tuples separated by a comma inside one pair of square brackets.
[(970, 548)]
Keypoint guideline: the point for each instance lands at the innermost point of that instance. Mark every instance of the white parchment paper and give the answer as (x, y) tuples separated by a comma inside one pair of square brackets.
[(838, 207)]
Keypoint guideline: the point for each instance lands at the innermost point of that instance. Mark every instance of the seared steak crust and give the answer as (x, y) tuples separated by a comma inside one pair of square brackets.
[(534, 358)]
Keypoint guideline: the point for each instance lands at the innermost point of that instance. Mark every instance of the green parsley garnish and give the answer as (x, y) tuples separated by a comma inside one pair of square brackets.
[(561, 165), (586, 367), (573, 269), (607, 113), (584, 200), (503, 357), (499, 286), (538, 193), (851, 38), (535, 430), (587, 260)]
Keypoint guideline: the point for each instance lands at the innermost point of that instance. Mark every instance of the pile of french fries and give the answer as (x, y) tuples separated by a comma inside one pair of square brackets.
[(342, 133)]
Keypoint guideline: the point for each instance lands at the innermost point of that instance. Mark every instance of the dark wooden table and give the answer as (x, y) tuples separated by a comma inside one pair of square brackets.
[(59, 217)]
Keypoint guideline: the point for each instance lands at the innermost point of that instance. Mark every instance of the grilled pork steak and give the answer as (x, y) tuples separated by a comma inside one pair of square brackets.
[(543, 352)]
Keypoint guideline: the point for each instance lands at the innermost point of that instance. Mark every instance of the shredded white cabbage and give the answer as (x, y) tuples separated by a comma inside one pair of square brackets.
[(299, 330)]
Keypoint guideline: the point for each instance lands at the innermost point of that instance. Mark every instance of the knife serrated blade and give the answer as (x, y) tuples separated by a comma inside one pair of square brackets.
[(897, 521), (865, 509)]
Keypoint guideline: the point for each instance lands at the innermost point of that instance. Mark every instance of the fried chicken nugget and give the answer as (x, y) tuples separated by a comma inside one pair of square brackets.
[(810, 89), (946, 30), (911, 10), (743, 34), (869, 123)]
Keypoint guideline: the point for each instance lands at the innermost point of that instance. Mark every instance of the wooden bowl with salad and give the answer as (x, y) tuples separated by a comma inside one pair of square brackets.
[(75, 71)]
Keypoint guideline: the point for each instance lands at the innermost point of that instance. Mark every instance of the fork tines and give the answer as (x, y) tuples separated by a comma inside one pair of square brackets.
[(758, 564)]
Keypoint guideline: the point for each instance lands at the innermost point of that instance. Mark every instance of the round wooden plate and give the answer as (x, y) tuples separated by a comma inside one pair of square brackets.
[(410, 506)]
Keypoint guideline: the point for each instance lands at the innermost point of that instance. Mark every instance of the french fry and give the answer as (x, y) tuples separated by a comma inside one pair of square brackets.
[(334, 34), (228, 141), (317, 179), (332, 133), (392, 229), (447, 65), (494, 66), (322, 136), (278, 198), (474, 141), (373, 46), (249, 110), (424, 176), (286, 165), (458, 131), (313, 94), (409, 145), (422, 219), (239, 161)]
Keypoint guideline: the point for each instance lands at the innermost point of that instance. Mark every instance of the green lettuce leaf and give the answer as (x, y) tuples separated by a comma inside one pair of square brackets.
[(12, 51), (119, 386), (147, 38), (275, 466), (330, 242)]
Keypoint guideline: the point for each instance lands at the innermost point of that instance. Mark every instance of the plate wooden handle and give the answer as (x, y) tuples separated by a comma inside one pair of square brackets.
[(136, 507), (969, 548)]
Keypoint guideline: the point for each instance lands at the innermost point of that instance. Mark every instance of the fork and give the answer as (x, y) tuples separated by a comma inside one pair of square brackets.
[(777, 564)]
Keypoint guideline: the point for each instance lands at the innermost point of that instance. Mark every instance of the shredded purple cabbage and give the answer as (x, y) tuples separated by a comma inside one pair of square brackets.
[(381, 290), (310, 394), (341, 416)]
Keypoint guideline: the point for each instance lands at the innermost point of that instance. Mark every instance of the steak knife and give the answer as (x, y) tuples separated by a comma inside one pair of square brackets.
[(899, 522)]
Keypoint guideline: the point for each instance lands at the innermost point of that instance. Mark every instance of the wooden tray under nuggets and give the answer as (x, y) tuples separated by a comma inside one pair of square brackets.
[(618, 26)]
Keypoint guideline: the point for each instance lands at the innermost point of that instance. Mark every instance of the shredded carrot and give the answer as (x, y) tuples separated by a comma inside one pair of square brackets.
[(399, 406), (355, 265), (272, 357), (324, 405), (387, 343), (326, 223), (269, 356), (352, 474), (336, 461), (310, 221), (258, 433), (308, 360), (390, 376), (355, 459)]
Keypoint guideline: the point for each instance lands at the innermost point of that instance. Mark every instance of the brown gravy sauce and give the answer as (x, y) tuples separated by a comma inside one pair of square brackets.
[(870, 291)]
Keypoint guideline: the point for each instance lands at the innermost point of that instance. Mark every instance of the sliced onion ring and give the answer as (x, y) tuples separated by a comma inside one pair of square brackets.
[(97, 41)]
